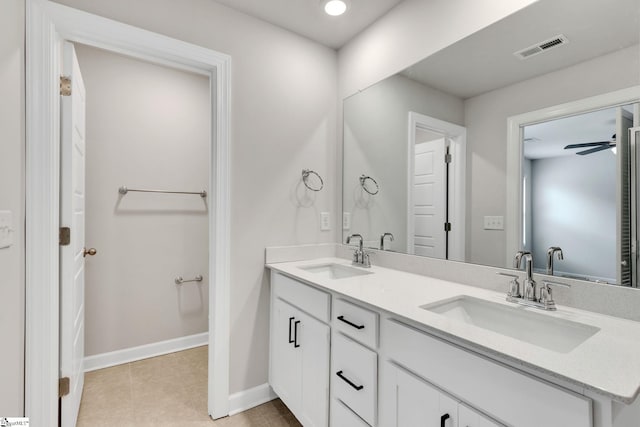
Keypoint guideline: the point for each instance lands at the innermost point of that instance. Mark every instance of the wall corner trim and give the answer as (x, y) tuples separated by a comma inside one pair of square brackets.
[(250, 398)]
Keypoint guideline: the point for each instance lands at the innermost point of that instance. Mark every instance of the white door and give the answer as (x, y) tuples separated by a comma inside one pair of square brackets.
[(417, 403), (429, 200), (286, 359), (313, 339), (72, 215)]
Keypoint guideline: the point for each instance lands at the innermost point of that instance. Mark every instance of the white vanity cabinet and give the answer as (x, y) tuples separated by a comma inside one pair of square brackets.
[(411, 401), (467, 417), (414, 402), (510, 396), (299, 349)]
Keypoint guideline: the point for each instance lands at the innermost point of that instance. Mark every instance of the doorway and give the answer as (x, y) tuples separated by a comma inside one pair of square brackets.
[(625, 113), (577, 194), (47, 24), (147, 130), (436, 195)]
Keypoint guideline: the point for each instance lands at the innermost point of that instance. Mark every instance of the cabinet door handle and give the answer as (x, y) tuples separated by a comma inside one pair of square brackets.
[(342, 319), (345, 379), (295, 334), (290, 319), (444, 419)]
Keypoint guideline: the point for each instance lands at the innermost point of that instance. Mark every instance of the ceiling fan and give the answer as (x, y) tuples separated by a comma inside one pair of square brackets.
[(598, 146)]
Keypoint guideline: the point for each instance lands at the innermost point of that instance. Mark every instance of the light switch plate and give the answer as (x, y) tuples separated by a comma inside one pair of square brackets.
[(494, 222), (325, 221), (346, 220), (6, 229)]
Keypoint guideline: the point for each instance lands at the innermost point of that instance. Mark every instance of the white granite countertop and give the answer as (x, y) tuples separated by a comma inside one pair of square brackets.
[(606, 362)]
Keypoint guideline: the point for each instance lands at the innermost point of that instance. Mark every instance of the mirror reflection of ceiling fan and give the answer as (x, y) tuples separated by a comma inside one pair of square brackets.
[(598, 146)]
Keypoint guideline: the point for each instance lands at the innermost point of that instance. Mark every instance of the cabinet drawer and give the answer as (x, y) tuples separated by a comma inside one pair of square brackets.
[(341, 416), (467, 417), (313, 301), (500, 391), (356, 322), (354, 376)]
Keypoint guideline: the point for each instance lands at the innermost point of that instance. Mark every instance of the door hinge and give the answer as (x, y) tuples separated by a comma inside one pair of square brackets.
[(447, 226), (63, 386), (65, 236), (447, 158), (65, 86)]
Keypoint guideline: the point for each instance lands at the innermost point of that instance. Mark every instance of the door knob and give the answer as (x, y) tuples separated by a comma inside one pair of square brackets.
[(91, 252)]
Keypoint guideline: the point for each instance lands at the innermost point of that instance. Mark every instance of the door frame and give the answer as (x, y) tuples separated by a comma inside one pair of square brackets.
[(47, 25), (457, 136), (515, 126)]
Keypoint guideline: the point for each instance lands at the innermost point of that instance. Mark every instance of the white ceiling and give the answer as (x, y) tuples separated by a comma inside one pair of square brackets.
[(484, 61), (307, 17), (548, 139)]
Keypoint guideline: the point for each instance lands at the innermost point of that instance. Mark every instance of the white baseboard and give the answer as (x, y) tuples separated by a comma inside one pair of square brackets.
[(247, 399), (105, 360)]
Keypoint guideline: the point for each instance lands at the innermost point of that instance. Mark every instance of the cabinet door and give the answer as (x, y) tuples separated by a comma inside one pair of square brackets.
[(312, 337), (342, 416), (419, 404), (467, 417), (286, 359)]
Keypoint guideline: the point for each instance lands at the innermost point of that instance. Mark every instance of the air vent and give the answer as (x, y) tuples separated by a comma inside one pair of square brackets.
[(543, 46)]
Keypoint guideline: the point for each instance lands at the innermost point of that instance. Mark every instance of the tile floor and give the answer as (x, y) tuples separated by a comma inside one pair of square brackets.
[(169, 390)]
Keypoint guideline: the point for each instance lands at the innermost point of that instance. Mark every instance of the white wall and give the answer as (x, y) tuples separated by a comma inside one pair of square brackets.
[(375, 144), (12, 199), (486, 121), (409, 33), (283, 120), (574, 201), (147, 127)]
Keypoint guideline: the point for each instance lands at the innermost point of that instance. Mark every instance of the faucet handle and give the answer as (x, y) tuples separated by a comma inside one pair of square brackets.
[(546, 296), (514, 286), (366, 261)]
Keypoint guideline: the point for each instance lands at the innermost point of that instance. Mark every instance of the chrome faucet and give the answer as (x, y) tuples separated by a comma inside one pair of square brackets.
[(545, 302), (550, 252), (529, 283), (360, 257), (382, 240)]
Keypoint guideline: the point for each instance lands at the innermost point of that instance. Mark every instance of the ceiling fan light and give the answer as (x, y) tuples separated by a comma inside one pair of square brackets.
[(335, 7)]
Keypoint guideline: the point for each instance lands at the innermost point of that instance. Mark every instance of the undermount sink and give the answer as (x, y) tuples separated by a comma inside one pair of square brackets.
[(335, 271), (545, 331)]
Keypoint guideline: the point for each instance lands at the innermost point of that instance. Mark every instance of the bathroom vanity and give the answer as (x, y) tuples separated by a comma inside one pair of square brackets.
[(354, 346)]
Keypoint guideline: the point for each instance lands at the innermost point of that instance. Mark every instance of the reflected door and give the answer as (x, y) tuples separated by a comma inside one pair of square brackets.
[(428, 236)]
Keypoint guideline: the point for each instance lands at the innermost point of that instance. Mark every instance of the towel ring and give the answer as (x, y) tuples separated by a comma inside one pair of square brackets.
[(363, 184), (305, 176)]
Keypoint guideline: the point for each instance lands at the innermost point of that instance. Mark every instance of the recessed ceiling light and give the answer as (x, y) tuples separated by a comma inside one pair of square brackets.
[(335, 7)]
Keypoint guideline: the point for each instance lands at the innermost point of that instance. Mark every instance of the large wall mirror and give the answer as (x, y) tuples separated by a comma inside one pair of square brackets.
[(519, 137)]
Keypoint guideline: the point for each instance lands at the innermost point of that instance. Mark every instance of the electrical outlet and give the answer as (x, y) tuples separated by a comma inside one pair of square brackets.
[(346, 220), (325, 221), (494, 222)]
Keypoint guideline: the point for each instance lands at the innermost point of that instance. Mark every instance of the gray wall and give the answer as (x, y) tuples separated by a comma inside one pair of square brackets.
[(574, 204), (147, 127), (375, 144), (12, 199), (486, 120)]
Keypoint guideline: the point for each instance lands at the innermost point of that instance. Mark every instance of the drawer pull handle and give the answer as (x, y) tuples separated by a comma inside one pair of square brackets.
[(345, 379), (295, 334), (443, 419), (342, 319), (290, 340)]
